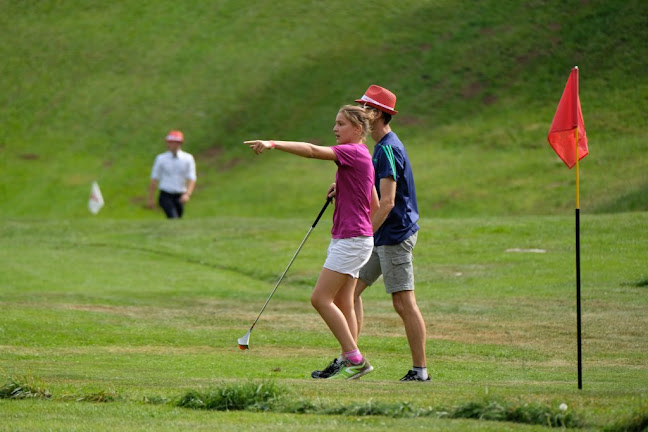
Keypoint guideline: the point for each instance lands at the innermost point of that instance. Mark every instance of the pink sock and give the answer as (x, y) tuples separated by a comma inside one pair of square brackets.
[(353, 356)]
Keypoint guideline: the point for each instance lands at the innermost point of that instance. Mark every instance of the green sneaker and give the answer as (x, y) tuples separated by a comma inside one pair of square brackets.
[(350, 371)]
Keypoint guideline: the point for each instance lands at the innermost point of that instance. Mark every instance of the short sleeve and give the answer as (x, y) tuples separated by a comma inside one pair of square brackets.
[(385, 164), (155, 173), (192, 169), (345, 153)]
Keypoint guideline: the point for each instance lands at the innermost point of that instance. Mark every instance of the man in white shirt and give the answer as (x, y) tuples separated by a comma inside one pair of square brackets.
[(174, 173)]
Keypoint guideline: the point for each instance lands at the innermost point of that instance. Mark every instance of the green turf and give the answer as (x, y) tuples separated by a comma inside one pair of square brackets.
[(127, 308), (139, 311)]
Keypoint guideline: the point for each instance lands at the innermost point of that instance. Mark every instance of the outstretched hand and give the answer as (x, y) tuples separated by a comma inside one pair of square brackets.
[(259, 146)]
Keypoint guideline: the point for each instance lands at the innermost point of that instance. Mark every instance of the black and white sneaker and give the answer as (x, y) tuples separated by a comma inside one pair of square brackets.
[(413, 376), (329, 370)]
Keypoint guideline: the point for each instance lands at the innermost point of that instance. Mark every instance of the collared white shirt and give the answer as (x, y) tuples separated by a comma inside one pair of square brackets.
[(172, 172)]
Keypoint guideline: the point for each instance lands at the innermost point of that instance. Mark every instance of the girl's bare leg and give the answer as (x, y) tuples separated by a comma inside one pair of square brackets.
[(330, 286)]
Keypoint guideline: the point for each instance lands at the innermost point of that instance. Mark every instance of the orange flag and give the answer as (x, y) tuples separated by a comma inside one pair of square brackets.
[(568, 117)]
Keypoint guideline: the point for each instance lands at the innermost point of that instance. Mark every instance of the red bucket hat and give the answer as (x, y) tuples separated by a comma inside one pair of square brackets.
[(379, 98), (175, 136)]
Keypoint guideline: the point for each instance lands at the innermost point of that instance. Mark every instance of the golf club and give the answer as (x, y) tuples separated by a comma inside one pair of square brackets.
[(244, 341)]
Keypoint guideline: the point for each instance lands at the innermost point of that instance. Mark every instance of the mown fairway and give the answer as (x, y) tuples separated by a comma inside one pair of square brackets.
[(145, 311)]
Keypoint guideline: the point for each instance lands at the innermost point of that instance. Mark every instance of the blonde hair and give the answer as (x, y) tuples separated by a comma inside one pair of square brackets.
[(359, 116)]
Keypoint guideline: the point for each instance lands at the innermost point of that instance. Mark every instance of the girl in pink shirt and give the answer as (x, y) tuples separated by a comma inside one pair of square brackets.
[(352, 233)]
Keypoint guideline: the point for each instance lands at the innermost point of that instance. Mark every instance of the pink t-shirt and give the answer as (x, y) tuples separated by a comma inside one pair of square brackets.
[(354, 183)]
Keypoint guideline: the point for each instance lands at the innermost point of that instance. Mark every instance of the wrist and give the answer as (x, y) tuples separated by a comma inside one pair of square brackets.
[(273, 144)]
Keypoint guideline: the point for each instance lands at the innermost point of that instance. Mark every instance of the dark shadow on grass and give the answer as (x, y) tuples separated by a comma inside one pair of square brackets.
[(641, 283), (177, 257), (632, 201)]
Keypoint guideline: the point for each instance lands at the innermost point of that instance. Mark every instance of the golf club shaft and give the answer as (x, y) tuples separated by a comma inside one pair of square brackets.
[(328, 200)]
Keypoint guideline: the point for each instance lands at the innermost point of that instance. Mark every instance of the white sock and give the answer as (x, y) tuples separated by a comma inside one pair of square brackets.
[(421, 372)]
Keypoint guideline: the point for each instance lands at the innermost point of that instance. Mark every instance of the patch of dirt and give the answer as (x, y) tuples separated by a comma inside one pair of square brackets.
[(490, 99), (410, 121), (214, 156), (213, 153), (139, 200), (487, 31), (473, 89)]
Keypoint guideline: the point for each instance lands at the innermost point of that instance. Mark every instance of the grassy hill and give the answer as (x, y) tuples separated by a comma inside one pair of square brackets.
[(89, 89)]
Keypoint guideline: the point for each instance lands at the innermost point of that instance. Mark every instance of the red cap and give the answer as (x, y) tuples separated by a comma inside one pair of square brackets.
[(175, 136)]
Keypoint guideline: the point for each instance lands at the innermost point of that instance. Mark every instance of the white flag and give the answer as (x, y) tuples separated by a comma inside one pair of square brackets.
[(96, 200)]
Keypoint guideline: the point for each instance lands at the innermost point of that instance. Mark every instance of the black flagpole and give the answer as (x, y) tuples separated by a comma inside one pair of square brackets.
[(578, 274), (578, 301)]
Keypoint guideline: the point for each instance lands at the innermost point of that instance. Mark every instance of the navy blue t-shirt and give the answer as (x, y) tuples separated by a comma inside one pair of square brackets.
[(390, 160)]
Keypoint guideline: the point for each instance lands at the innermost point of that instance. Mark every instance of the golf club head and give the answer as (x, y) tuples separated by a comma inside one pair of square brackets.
[(244, 341)]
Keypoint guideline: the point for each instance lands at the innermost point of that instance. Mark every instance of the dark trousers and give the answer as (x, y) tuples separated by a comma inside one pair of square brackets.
[(170, 203)]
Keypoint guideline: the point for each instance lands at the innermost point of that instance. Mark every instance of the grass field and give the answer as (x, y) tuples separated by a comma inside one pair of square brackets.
[(138, 314), (129, 322)]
